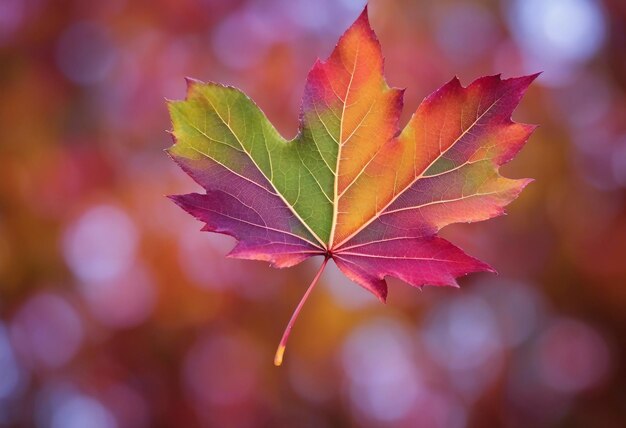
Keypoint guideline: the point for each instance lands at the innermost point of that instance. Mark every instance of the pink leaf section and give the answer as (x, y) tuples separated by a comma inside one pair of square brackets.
[(246, 208)]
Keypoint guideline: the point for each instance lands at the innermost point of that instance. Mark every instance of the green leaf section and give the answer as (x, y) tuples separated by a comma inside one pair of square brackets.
[(223, 124)]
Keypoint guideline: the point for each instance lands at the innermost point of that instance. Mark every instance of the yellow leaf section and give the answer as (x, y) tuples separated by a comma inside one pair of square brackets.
[(367, 109)]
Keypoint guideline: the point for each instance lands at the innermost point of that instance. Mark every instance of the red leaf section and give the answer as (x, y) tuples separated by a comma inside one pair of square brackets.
[(401, 240)]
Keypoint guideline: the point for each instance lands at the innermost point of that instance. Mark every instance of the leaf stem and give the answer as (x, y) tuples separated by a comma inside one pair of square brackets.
[(278, 358)]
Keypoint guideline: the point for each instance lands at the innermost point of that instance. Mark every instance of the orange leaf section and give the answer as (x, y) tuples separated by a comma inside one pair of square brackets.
[(454, 128), (354, 103)]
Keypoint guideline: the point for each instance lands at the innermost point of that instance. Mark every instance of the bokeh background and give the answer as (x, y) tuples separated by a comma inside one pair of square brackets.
[(116, 312)]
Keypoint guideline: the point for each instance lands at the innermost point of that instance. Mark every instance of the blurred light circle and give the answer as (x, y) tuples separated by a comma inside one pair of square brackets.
[(384, 382), (564, 30), (465, 31), (462, 334), (325, 18), (353, 5), (571, 356), (221, 371), (81, 412), (11, 377), (100, 244), (240, 40), (558, 34), (123, 301), (517, 307), (47, 331), (85, 53), (311, 15), (12, 14)]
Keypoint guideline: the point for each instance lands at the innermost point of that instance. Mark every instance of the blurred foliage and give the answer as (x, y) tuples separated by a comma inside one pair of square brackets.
[(116, 312)]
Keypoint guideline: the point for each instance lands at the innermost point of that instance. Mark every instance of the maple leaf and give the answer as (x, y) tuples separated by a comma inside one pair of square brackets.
[(351, 186)]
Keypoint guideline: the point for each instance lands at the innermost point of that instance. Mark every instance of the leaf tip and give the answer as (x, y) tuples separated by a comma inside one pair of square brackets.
[(177, 199), (364, 20), (191, 83), (169, 150), (524, 82), (364, 14), (382, 297)]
